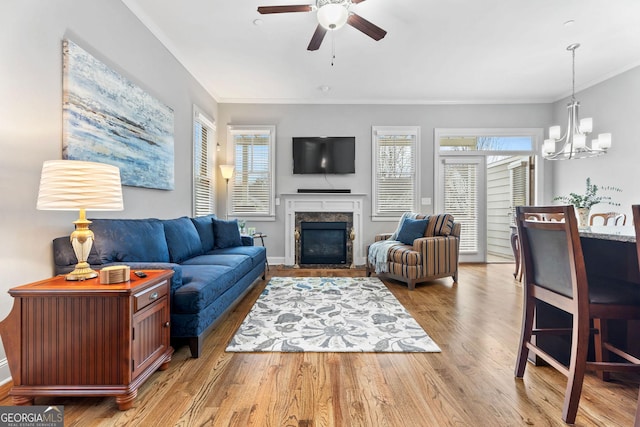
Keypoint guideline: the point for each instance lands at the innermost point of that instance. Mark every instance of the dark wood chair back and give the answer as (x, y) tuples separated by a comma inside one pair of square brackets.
[(608, 218), (551, 249), (558, 217)]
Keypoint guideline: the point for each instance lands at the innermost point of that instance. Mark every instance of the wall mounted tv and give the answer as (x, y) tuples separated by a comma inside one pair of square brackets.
[(324, 155)]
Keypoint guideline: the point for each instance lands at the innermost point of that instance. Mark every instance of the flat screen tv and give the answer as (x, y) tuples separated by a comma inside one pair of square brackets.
[(324, 155)]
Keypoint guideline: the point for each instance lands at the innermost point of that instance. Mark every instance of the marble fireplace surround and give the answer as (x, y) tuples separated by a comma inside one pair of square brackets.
[(322, 203)]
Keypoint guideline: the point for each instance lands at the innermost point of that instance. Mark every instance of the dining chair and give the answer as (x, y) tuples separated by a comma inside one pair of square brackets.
[(609, 218), (555, 273)]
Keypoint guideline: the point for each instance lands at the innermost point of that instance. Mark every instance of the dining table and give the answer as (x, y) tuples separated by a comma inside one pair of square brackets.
[(610, 251)]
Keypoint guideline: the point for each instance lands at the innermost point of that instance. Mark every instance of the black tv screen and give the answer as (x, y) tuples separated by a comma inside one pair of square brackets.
[(324, 155)]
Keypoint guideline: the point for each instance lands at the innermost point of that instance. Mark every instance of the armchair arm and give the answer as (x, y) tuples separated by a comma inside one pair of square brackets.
[(383, 236), (439, 253)]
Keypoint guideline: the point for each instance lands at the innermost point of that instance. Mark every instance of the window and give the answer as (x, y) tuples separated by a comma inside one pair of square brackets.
[(252, 188), (461, 177), (395, 171), (519, 185), (204, 131), (486, 143)]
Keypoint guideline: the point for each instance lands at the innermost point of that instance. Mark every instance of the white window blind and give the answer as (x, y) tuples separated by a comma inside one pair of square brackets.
[(519, 182), (461, 201), (395, 171), (252, 187), (203, 176)]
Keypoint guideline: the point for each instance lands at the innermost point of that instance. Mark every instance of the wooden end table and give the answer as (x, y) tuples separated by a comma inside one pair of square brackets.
[(65, 338)]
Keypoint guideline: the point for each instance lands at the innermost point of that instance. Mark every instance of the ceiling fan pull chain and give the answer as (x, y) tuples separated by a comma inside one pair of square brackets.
[(333, 48)]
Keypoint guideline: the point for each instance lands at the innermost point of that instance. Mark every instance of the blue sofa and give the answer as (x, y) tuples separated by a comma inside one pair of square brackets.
[(214, 267)]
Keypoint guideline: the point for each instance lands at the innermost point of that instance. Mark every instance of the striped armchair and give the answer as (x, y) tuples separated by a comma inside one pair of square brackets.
[(430, 257)]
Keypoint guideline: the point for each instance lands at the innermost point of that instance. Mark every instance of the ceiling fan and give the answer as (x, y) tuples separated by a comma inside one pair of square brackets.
[(332, 15)]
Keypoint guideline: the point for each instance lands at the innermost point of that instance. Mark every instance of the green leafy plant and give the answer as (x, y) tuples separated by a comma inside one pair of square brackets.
[(590, 197)]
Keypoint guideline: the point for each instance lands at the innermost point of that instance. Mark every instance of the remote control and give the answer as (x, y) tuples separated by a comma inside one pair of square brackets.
[(140, 273)]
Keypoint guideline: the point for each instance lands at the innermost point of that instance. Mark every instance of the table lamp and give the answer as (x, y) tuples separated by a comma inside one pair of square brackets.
[(76, 185)]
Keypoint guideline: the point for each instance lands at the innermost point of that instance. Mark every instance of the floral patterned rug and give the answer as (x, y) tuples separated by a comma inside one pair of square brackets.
[(329, 314)]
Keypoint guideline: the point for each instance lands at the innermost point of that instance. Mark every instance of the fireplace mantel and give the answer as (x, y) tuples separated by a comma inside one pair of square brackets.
[(322, 202)]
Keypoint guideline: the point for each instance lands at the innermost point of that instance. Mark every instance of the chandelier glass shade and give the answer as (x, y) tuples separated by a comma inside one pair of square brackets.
[(573, 144)]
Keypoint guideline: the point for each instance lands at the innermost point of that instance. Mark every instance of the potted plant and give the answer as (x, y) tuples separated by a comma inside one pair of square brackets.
[(584, 202)]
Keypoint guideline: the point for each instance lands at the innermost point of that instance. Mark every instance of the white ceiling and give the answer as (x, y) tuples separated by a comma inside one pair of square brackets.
[(435, 51)]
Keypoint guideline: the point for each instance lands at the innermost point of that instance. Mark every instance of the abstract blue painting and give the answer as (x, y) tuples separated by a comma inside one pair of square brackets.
[(109, 119)]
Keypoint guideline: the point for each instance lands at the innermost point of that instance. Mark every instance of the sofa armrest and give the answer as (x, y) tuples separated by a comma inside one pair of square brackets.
[(247, 240)]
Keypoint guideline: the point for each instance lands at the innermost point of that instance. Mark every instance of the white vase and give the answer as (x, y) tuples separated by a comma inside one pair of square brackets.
[(583, 217)]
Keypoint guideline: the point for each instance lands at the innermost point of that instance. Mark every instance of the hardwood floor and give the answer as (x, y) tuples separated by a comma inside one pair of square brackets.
[(471, 383)]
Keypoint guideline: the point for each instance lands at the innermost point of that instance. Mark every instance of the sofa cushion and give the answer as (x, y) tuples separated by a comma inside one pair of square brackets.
[(241, 264), (258, 254), (411, 230), (130, 240), (439, 225), (226, 233), (201, 285), (183, 239), (204, 226)]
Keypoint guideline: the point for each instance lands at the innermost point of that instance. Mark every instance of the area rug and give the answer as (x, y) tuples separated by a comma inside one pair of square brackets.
[(329, 314)]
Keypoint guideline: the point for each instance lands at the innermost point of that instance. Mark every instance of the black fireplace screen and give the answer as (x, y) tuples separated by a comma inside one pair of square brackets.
[(323, 243)]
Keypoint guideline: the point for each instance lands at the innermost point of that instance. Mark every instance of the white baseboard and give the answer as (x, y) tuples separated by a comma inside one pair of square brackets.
[(276, 260)]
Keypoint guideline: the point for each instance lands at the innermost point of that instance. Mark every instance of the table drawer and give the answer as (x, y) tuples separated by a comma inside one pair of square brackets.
[(151, 295)]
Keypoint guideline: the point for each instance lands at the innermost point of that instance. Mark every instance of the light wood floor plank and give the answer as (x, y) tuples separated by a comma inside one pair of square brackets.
[(470, 383)]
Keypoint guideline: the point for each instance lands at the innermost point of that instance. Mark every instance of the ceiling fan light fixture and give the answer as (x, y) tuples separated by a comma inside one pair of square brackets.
[(333, 16)]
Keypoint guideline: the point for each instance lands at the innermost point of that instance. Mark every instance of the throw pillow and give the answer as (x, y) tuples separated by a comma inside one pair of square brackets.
[(204, 225), (411, 230), (226, 233), (182, 239), (440, 225)]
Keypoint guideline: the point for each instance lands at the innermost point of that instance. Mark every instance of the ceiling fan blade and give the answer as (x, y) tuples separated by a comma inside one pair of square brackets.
[(285, 9), (316, 39), (372, 30), (357, 1)]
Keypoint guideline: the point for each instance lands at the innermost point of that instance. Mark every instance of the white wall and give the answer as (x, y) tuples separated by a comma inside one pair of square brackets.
[(357, 120), (614, 107), (31, 34)]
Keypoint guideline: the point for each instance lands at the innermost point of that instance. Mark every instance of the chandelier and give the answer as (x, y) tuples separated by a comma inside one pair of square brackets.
[(573, 144)]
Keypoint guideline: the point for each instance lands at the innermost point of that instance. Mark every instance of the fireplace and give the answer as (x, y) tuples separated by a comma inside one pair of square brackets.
[(323, 242), (310, 207)]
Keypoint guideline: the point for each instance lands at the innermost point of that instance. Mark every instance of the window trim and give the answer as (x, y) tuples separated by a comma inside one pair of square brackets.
[(393, 130), (200, 117), (243, 129)]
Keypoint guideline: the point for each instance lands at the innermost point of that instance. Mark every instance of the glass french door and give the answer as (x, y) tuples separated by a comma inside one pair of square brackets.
[(463, 194)]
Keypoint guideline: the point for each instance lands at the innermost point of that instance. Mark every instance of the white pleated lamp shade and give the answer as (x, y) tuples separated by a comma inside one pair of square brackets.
[(74, 184)]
